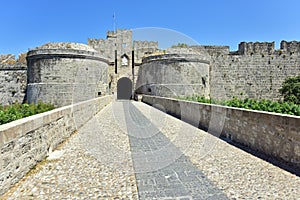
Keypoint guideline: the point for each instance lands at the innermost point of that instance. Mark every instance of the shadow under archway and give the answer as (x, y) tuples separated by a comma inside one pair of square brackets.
[(124, 88)]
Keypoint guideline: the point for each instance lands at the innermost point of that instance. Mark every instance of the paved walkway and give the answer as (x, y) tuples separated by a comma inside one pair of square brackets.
[(132, 151), (162, 170)]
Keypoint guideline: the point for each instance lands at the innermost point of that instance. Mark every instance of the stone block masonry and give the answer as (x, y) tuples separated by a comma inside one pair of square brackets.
[(65, 73), (122, 41), (13, 79), (273, 134), (27, 141), (178, 73), (255, 71)]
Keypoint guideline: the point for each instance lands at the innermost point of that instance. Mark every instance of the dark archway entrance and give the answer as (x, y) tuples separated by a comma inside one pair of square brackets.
[(124, 88)]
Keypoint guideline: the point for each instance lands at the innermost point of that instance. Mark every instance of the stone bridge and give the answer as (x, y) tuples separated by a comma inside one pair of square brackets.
[(131, 150)]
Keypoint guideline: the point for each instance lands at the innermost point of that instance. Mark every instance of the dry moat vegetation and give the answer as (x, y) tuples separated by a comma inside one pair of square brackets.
[(290, 91)]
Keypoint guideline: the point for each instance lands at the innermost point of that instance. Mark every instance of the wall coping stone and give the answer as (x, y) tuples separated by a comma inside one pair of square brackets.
[(227, 107), (64, 53), (18, 128)]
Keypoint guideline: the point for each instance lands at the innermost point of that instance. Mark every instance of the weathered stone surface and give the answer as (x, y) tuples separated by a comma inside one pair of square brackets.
[(94, 163), (162, 171), (255, 71), (266, 132), (13, 79), (177, 161), (65, 73), (179, 73), (236, 173), (27, 141), (121, 40)]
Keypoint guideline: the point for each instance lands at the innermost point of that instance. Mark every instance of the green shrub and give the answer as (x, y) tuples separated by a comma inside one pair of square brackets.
[(290, 89), (263, 105), (18, 111)]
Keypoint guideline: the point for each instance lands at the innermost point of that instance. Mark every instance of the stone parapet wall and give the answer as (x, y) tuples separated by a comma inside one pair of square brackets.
[(250, 48), (275, 135), (290, 47), (213, 49), (25, 142)]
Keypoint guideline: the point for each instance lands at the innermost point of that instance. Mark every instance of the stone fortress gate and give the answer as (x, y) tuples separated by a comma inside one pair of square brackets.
[(65, 73), (70, 73)]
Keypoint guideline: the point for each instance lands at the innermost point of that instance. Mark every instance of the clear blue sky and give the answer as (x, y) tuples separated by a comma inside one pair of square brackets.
[(31, 23)]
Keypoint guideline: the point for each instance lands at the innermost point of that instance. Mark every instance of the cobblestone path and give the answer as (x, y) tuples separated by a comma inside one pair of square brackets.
[(130, 150), (94, 163), (162, 170)]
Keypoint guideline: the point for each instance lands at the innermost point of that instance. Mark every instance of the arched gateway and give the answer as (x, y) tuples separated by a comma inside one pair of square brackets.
[(124, 88)]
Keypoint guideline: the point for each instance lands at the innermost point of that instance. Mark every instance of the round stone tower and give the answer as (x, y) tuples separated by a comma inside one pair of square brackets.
[(177, 72), (65, 73)]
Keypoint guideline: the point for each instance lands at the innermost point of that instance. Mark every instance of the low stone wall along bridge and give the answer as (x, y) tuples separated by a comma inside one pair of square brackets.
[(130, 150)]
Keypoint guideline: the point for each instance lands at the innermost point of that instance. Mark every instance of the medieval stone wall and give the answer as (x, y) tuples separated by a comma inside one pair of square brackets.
[(13, 79), (250, 48), (290, 47), (180, 72), (65, 73), (143, 48), (255, 71)]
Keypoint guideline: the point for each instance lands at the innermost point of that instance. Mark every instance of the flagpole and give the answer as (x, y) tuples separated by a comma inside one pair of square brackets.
[(114, 18)]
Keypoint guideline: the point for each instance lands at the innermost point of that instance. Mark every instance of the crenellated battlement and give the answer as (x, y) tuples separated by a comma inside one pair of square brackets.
[(267, 48), (250, 48), (255, 48), (118, 32), (150, 44), (290, 47)]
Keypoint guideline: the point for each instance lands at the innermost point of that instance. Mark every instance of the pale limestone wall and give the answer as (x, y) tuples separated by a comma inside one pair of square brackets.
[(257, 70), (62, 75), (27, 141), (143, 48), (13, 79), (250, 48), (174, 74), (276, 135)]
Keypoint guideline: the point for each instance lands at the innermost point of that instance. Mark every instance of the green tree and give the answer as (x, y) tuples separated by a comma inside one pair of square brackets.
[(180, 45), (290, 89)]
